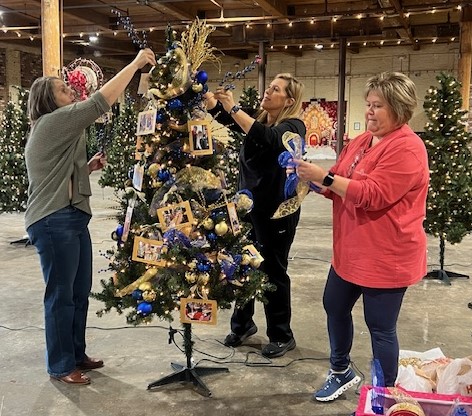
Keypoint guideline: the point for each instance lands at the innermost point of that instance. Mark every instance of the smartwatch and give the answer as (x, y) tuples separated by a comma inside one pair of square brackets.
[(328, 179), (235, 109)]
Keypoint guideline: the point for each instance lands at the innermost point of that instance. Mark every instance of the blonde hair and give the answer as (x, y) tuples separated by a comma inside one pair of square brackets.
[(399, 92), (294, 89)]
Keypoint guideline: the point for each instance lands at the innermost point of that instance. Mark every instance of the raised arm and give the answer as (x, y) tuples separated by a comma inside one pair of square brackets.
[(115, 86), (244, 120)]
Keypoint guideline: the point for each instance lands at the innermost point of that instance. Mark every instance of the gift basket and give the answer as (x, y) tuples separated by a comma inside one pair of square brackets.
[(399, 402)]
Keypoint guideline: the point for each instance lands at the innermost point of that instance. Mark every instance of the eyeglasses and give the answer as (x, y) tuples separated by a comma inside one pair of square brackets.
[(357, 158)]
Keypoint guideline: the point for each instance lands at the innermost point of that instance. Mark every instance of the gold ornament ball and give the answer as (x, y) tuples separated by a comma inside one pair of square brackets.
[(246, 259), (153, 169), (149, 296), (197, 87), (221, 228), (145, 286), (208, 224)]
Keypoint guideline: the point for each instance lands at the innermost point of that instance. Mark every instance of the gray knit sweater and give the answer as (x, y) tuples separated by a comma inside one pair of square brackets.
[(55, 153)]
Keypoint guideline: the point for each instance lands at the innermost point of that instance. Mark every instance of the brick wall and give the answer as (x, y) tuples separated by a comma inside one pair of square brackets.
[(31, 68)]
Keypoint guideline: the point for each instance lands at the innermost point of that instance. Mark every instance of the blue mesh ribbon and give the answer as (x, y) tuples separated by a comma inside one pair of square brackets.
[(229, 265), (291, 182), (175, 236)]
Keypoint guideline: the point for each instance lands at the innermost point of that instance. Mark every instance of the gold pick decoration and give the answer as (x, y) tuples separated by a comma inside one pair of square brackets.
[(291, 205), (146, 277), (198, 178), (195, 45)]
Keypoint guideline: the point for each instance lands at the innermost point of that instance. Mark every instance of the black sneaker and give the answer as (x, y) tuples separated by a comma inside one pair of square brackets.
[(235, 340), (277, 349)]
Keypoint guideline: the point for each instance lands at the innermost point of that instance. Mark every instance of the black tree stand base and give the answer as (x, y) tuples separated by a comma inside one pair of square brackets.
[(24, 240), (188, 373), (445, 276)]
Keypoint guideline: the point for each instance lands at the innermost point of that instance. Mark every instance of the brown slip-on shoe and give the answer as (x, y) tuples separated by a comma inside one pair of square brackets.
[(76, 377), (89, 364)]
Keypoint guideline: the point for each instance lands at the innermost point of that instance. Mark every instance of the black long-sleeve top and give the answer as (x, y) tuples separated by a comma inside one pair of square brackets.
[(259, 170)]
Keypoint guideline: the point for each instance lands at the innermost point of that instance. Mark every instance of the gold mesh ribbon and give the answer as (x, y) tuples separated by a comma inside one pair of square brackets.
[(181, 80), (146, 277), (291, 205)]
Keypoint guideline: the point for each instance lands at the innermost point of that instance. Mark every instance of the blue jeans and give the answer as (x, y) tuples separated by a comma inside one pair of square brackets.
[(381, 310), (63, 243)]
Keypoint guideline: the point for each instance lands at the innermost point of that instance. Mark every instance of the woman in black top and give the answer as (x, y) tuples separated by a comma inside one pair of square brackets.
[(260, 173)]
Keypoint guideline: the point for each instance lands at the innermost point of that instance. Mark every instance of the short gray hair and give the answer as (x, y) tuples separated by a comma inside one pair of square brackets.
[(399, 92)]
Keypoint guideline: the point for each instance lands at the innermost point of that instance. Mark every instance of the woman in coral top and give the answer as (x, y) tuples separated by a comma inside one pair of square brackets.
[(378, 187)]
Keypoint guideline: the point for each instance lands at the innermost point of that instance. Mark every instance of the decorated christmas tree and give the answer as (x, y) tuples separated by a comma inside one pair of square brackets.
[(179, 234), (121, 148), (13, 133), (449, 204)]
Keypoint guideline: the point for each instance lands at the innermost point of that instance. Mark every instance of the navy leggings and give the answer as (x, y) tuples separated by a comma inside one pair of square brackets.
[(381, 310)]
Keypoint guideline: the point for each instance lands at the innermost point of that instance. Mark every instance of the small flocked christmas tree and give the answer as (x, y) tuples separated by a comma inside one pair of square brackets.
[(249, 102), (13, 133), (179, 233), (121, 148), (449, 205)]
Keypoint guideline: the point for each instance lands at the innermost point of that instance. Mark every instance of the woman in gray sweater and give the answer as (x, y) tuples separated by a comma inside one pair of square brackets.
[(58, 210)]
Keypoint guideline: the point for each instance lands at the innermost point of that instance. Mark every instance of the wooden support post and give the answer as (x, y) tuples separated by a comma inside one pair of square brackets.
[(51, 37), (465, 59)]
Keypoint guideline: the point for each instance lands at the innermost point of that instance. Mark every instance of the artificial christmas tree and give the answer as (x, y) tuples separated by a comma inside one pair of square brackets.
[(121, 148), (449, 204), (179, 236), (249, 101), (13, 133)]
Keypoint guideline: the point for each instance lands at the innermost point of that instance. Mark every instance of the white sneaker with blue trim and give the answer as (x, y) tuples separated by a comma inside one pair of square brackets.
[(336, 383)]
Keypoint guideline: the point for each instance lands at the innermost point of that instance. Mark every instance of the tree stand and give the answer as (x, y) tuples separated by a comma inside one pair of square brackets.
[(442, 274), (189, 373)]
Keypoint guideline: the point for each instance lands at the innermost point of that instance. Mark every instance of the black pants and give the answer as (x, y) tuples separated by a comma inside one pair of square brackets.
[(275, 238)]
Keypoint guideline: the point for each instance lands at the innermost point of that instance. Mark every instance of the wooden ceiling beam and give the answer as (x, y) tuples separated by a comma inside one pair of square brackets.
[(276, 8)]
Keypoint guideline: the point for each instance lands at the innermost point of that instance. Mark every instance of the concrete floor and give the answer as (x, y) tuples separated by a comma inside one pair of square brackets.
[(434, 315)]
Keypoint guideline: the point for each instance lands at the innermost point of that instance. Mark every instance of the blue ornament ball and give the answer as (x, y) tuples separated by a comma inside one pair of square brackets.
[(137, 294), (119, 231), (174, 104), (203, 267), (163, 175), (144, 308), (160, 118), (202, 77), (211, 236)]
